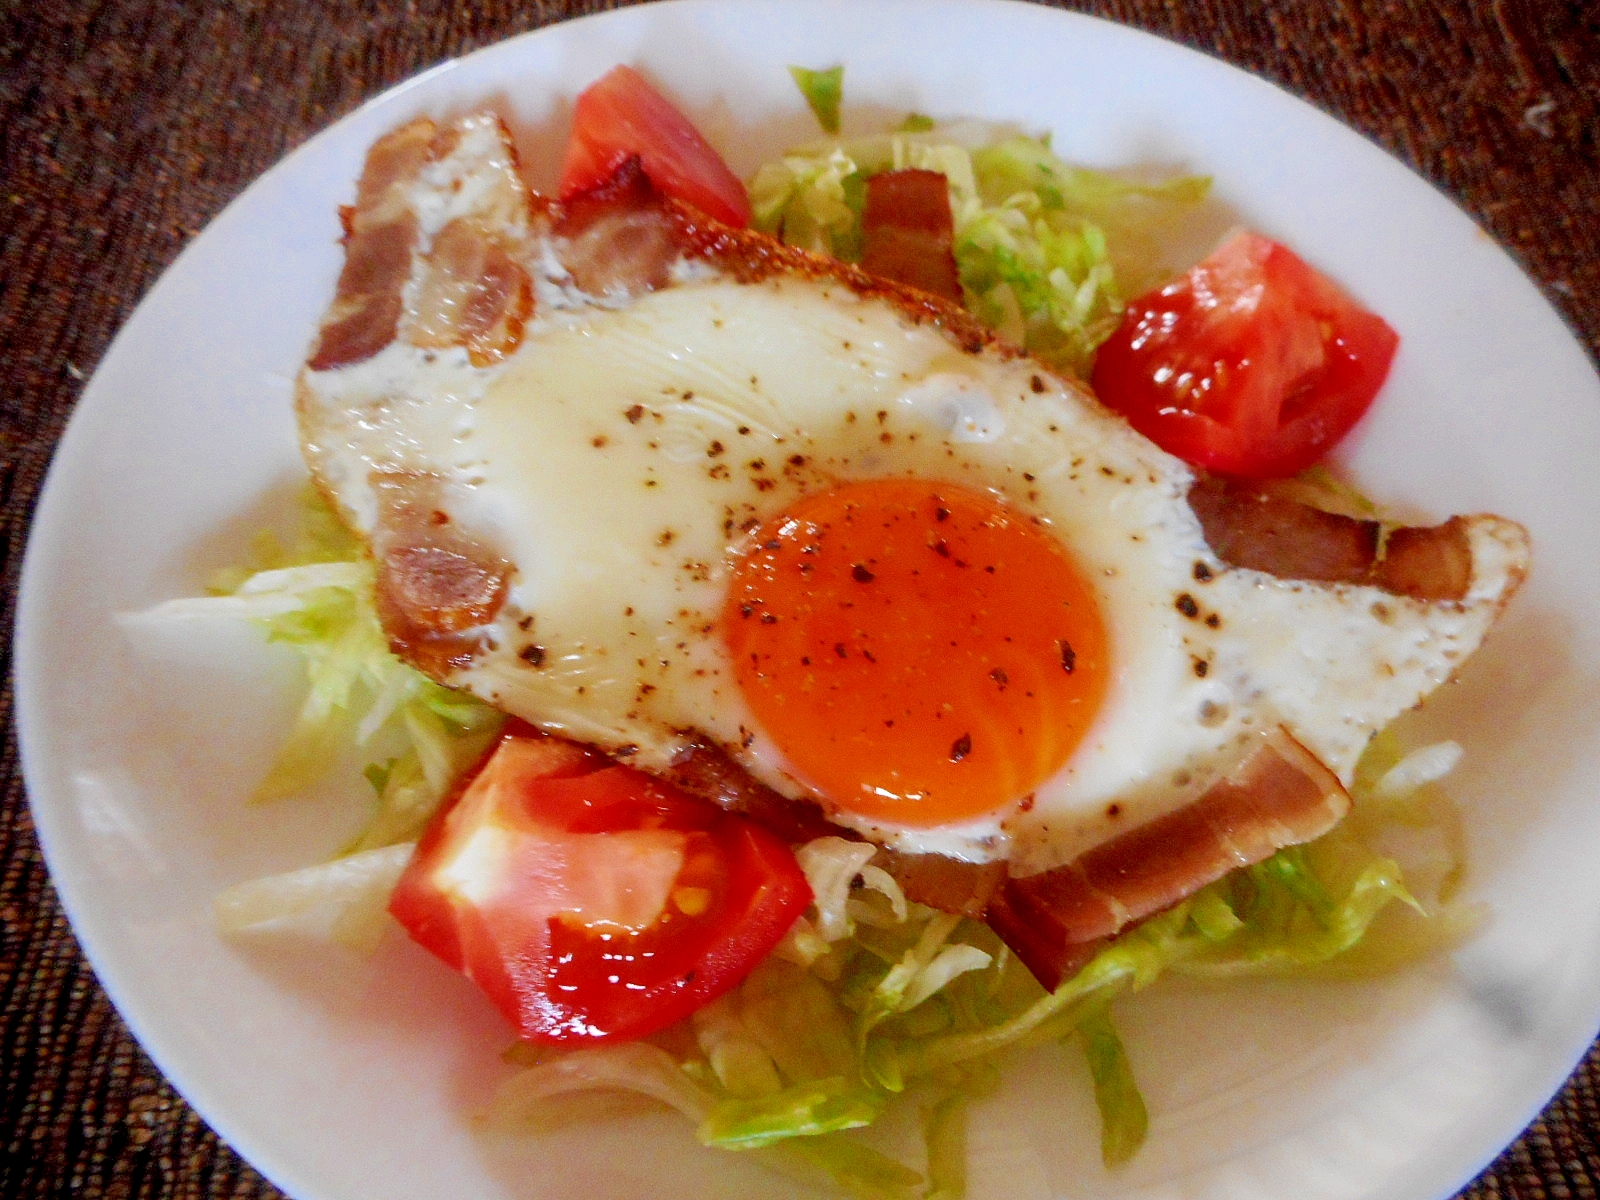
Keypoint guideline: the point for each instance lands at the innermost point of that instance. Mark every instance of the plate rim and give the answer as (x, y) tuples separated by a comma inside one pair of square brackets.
[(50, 502)]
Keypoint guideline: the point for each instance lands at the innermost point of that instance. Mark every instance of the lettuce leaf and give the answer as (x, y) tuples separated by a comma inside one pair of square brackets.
[(343, 901)]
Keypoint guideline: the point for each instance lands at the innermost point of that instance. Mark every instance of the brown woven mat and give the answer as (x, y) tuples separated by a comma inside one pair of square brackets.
[(125, 125)]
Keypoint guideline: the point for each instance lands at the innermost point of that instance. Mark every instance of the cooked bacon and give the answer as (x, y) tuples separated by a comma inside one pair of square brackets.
[(908, 234), (366, 306), (1427, 562), (1279, 796), (472, 293), (702, 769), (380, 234), (948, 884), (1257, 527), (436, 583), (1251, 527), (620, 237), (393, 162), (444, 141)]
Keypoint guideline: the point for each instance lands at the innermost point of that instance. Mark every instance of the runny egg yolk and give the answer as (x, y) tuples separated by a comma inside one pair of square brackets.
[(919, 652)]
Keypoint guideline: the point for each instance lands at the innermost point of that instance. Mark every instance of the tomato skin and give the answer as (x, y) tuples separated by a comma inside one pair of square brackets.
[(1253, 364), (620, 116), (425, 910), (590, 901)]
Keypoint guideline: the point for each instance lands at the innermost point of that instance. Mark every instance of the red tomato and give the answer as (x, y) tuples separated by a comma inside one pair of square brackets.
[(1253, 364), (591, 901), (619, 116)]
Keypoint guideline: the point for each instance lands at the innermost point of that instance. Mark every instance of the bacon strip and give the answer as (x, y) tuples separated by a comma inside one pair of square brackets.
[(1256, 528), (1427, 562), (948, 884), (908, 234), (394, 161), (471, 289), (1279, 796), (366, 307), (380, 234), (620, 237), (472, 293), (1250, 527), (436, 583), (702, 769)]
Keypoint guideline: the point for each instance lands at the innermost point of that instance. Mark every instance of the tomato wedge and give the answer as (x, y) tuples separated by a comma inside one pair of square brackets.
[(1251, 365), (620, 116), (590, 901)]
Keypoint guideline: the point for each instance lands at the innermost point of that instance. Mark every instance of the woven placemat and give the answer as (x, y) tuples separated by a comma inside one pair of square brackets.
[(126, 125)]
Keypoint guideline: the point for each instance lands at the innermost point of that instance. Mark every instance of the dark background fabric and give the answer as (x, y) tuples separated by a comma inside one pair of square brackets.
[(126, 125)]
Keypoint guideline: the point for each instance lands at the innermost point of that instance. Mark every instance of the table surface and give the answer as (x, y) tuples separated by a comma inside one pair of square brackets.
[(126, 125)]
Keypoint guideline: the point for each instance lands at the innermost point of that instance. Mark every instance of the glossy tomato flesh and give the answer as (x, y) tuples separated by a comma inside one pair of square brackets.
[(590, 901), (620, 116), (1251, 365)]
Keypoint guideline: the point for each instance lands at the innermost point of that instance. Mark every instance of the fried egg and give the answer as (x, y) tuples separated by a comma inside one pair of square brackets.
[(885, 564)]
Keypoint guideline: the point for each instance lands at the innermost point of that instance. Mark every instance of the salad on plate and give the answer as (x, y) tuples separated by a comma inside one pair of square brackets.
[(829, 634)]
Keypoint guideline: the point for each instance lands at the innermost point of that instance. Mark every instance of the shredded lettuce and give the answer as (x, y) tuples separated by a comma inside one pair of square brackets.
[(317, 596), (896, 998), (1045, 249), (1123, 1118), (944, 1131), (632, 1066), (341, 901)]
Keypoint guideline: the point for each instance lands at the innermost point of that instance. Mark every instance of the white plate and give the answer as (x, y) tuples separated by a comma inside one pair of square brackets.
[(343, 1077)]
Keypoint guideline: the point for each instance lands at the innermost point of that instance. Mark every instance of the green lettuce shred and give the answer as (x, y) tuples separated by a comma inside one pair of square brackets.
[(1123, 1118), (944, 1131), (801, 1110), (823, 90)]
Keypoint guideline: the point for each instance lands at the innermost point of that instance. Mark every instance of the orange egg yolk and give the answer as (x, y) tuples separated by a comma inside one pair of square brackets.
[(920, 652)]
